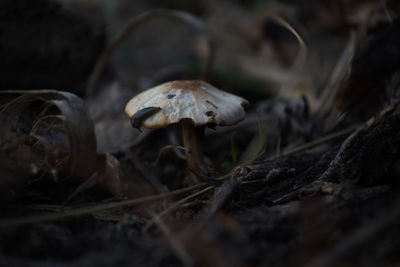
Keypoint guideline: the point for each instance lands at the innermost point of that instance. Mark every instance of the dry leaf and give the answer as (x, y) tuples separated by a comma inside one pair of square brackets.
[(45, 131)]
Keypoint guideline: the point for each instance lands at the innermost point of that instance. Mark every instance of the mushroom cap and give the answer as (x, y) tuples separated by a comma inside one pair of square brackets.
[(195, 100)]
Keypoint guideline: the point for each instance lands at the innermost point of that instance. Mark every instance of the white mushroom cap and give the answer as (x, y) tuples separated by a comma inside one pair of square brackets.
[(195, 100)]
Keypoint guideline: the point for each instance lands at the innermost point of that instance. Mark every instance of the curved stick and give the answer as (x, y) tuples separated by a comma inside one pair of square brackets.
[(122, 35)]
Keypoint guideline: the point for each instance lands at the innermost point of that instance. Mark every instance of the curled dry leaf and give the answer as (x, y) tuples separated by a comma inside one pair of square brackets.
[(46, 131)]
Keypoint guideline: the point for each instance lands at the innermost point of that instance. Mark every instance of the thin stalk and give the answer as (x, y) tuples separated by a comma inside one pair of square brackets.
[(191, 136)]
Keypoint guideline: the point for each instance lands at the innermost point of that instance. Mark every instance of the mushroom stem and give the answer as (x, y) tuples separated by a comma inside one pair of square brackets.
[(191, 136)]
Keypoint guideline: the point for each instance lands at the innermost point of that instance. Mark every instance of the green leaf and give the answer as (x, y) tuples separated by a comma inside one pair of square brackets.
[(234, 152)]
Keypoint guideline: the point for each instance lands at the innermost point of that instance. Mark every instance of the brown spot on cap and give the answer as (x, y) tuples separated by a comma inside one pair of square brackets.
[(209, 113)]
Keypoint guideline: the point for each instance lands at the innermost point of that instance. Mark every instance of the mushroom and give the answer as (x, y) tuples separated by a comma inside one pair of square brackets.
[(193, 105)]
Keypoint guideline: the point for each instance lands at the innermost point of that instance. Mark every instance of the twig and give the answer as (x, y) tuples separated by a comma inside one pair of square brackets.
[(96, 208), (354, 155), (317, 142), (221, 196), (177, 205)]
